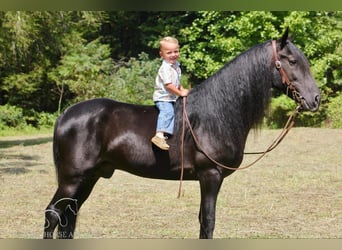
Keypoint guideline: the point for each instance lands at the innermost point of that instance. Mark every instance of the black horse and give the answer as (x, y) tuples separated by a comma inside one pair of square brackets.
[(95, 137)]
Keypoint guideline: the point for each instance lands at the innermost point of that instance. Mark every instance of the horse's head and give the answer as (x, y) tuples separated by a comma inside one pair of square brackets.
[(292, 67)]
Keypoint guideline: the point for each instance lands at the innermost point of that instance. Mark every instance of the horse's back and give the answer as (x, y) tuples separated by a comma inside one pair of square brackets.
[(101, 131), (103, 113)]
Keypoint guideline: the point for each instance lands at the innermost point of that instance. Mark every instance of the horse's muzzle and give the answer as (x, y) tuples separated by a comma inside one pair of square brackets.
[(313, 105)]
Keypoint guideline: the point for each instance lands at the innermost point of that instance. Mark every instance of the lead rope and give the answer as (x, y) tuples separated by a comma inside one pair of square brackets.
[(289, 124), (182, 151)]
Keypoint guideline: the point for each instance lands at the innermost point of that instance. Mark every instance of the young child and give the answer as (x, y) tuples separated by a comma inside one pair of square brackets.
[(167, 90)]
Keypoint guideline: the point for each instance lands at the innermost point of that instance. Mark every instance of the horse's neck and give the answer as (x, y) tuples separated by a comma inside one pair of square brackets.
[(238, 94)]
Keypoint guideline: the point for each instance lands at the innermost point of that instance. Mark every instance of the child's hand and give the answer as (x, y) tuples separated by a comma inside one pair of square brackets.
[(184, 92)]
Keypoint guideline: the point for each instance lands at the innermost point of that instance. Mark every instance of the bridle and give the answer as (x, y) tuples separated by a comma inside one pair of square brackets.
[(285, 79), (289, 124)]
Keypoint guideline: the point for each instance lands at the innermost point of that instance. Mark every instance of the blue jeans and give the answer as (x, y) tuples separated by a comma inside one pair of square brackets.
[(166, 117)]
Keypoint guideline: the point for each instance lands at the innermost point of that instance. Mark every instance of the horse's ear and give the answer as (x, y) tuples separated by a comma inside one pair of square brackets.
[(284, 38)]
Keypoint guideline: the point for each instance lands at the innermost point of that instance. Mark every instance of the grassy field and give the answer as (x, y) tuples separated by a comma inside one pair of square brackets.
[(294, 192)]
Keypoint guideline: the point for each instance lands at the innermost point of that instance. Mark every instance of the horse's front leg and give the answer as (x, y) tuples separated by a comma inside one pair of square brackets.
[(210, 182)]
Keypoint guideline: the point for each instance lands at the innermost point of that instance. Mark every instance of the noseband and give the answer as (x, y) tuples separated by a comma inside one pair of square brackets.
[(285, 79)]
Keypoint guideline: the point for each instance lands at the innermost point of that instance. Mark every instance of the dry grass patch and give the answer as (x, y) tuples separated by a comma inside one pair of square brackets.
[(295, 192)]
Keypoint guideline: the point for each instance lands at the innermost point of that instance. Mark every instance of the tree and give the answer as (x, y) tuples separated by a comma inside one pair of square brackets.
[(319, 36), (50, 59), (32, 43), (85, 69), (215, 38)]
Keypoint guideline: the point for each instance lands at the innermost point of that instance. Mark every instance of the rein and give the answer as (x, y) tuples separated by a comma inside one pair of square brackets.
[(289, 124)]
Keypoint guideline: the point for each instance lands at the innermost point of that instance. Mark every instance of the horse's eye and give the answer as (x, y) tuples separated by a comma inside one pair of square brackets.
[(292, 62)]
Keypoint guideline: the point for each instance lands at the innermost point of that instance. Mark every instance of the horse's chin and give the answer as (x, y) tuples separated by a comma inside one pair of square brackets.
[(312, 108)]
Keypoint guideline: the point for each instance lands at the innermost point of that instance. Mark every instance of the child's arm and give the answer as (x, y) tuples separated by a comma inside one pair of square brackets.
[(180, 92)]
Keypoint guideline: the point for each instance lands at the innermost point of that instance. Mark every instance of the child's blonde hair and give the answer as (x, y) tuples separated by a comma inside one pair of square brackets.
[(168, 39)]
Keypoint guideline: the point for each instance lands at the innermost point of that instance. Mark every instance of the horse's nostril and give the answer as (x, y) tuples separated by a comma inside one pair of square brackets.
[(316, 103), (317, 100)]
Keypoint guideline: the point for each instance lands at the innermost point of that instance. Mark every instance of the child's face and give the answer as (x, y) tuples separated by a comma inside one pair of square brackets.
[(170, 52)]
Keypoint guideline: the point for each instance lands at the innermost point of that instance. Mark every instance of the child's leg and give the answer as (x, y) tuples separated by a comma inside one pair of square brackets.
[(165, 123), (166, 117)]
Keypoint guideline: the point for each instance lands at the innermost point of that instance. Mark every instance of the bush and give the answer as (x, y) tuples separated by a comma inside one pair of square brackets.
[(280, 109), (334, 112), (11, 116), (16, 117), (39, 120), (134, 81), (46, 120)]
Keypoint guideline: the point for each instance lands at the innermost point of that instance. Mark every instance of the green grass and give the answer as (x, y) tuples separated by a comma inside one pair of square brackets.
[(27, 130), (294, 192)]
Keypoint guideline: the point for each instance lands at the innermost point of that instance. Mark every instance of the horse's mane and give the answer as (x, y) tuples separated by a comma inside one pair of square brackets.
[(236, 96)]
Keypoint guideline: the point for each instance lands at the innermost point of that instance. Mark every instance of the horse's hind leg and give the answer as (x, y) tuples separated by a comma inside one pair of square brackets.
[(66, 231), (62, 210), (54, 212)]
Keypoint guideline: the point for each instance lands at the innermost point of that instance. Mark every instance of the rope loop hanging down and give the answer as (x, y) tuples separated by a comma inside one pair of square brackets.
[(185, 120)]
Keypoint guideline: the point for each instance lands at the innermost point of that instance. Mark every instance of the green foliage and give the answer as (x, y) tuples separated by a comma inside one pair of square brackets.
[(39, 119), (16, 117), (282, 107), (11, 116), (279, 111), (46, 120), (94, 74), (29, 90), (334, 112), (133, 82), (50, 59), (319, 35), (214, 38), (129, 33), (85, 69)]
